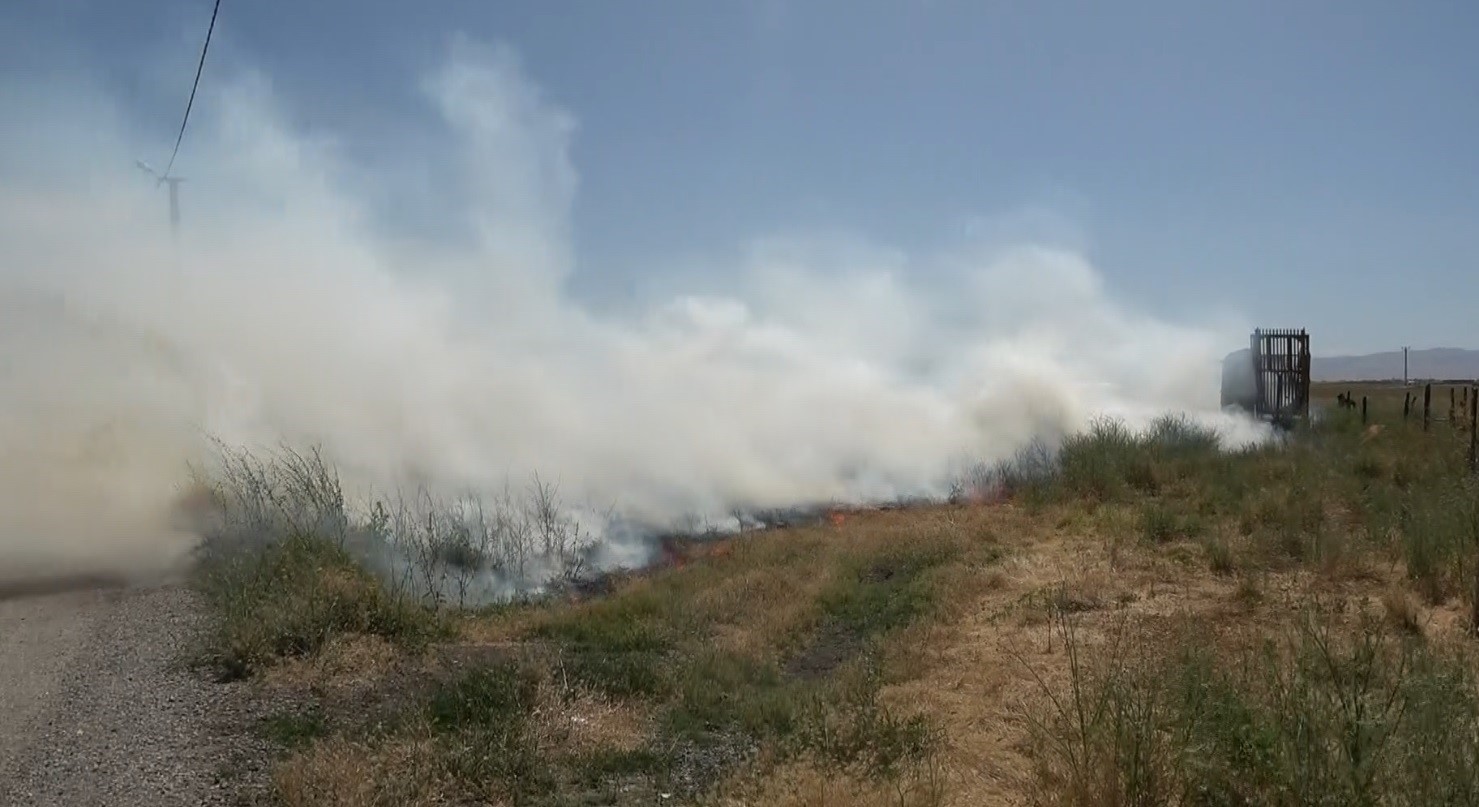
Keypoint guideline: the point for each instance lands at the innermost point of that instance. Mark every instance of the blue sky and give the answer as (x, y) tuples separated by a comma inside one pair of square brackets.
[(1306, 163)]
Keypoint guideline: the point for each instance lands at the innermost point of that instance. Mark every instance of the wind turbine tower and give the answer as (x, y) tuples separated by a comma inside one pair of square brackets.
[(174, 194)]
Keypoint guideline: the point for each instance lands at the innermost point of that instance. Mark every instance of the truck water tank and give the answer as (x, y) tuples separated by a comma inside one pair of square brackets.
[(1239, 387)]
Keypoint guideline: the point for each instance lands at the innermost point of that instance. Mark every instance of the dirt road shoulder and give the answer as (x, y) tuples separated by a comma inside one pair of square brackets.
[(96, 706)]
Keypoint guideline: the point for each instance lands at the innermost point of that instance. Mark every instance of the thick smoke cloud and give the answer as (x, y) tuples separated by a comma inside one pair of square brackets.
[(287, 312)]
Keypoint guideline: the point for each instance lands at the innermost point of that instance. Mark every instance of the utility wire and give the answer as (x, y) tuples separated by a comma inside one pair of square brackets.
[(198, 69)]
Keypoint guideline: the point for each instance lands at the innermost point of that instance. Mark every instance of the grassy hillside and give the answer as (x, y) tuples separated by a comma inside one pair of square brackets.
[(1144, 621)]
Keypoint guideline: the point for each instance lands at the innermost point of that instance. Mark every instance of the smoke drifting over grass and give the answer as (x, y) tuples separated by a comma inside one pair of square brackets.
[(287, 313)]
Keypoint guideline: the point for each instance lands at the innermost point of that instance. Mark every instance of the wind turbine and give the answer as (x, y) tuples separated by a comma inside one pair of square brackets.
[(174, 194)]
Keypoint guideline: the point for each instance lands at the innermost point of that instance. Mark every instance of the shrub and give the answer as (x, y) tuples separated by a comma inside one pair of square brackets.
[(290, 598), (1327, 716)]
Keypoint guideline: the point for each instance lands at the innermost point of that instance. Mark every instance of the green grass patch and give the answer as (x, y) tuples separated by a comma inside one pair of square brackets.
[(292, 730), (620, 646), (482, 720), (719, 691), (497, 698), (837, 721), (880, 593), (1162, 523), (598, 767)]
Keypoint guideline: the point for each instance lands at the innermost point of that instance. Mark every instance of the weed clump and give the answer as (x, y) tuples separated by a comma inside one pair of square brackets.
[(1106, 462), (292, 597), (1329, 715), (1438, 525)]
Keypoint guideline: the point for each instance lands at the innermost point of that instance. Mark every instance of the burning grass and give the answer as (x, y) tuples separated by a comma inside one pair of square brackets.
[(1143, 619)]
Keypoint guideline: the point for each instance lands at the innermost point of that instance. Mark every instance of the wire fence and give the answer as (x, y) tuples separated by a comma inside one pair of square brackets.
[(1462, 413)]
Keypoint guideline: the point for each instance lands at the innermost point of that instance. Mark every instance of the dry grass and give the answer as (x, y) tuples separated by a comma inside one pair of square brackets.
[(806, 785), (1028, 648), (577, 722), (340, 772), (1403, 610), (345, 661)]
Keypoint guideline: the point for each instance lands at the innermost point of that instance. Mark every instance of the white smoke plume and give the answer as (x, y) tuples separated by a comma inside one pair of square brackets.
[(286, 312)]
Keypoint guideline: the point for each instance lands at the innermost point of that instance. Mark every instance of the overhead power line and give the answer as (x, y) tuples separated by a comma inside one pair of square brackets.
[(193, 87)]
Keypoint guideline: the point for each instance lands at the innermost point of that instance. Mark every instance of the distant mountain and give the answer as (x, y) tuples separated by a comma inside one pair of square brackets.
[(1434, 363)]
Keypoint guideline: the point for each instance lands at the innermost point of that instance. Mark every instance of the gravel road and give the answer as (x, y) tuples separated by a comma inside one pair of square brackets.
[(96, 708)]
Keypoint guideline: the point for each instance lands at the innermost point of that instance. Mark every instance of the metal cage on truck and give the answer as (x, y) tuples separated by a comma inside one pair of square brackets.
[(1271, 379)]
